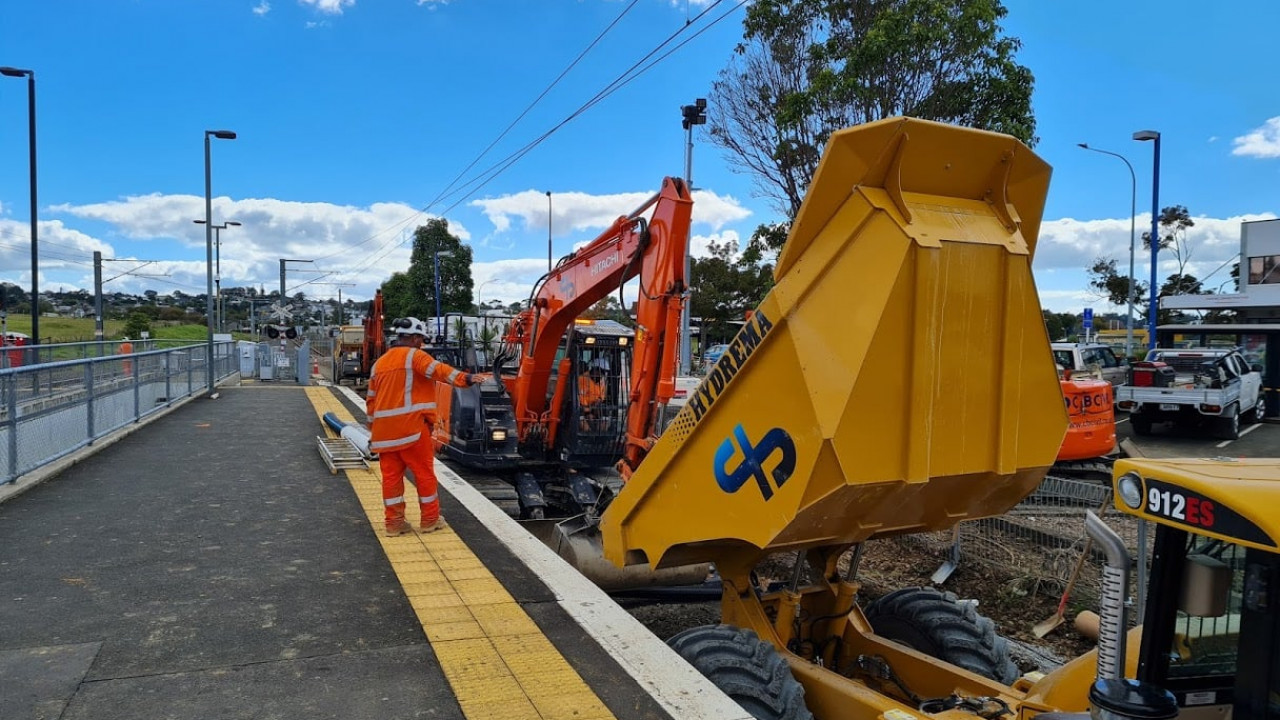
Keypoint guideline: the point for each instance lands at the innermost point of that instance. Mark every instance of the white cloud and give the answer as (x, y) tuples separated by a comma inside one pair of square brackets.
[(574, 212), (432, 4), (1263, 142), (1067, 300), (262, 8), (328, 7), (1069, 244), (700, 245), (61, 249), (340, 238)]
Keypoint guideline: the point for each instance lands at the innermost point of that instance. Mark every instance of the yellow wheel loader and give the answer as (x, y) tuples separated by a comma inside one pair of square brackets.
[(898, 379)]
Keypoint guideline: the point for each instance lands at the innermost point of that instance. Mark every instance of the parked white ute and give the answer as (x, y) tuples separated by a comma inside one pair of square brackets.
[(1213, 387)]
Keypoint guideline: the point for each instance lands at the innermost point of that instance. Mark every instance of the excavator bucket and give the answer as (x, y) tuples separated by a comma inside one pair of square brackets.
[(897, 378)]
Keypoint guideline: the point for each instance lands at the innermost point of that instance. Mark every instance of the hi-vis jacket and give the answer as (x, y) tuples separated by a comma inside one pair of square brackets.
[(401, 399)]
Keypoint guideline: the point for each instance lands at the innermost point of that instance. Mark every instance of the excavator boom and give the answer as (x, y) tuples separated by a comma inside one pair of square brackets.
[(652, 247)]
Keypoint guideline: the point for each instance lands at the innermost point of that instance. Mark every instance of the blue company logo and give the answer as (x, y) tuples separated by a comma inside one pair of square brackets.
[(753, 459)]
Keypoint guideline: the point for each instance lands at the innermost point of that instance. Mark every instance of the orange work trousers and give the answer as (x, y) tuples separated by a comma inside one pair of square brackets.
[(420, 459)]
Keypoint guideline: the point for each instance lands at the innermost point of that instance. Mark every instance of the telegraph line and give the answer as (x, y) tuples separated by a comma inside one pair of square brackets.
[(496, 169)]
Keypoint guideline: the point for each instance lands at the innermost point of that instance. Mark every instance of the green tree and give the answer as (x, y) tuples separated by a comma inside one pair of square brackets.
[(456, 285), (807, 68), (725, 288), (400, 300), (608, 308), (1109, 284), (136, 324), (1061, 326)]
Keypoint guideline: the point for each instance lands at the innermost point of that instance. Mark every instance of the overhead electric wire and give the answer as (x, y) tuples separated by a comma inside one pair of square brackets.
[(617, 84), (622, 80), (536, 100), (504, 132), (496, 169)]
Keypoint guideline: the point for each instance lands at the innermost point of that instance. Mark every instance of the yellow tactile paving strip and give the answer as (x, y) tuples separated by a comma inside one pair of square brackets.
[(498, 662)]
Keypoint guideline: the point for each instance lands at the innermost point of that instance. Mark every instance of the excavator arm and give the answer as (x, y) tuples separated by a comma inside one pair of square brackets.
[(652, 247), (374, 343)]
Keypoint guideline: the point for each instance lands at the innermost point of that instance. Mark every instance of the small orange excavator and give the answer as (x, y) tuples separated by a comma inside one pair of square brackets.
[(1091, 409)]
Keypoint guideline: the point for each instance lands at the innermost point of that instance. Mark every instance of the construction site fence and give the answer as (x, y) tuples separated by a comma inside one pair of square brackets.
[(1033, 548), (51, 409)]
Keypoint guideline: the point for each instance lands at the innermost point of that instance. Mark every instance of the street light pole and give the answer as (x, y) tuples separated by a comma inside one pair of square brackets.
[(437, 256), (217, 264), (208, 247), (1143, 135), (1133, 214), (31, 162), (695, 114)]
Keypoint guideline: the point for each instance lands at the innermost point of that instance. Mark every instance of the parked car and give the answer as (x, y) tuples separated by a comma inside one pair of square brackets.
[(713, 354), (1205, 386), (1085, 358)]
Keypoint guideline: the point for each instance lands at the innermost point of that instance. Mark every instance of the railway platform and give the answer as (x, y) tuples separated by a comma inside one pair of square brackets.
[(209, 565)]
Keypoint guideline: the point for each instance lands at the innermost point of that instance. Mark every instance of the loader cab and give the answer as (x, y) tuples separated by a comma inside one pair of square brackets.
[(1211, 632), (1212, 636), (595, 398)]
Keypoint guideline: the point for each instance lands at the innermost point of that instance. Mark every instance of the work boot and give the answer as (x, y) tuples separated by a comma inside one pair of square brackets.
[(395, 528), (439, 524)]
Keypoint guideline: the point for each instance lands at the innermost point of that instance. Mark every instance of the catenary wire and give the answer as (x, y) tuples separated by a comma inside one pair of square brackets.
[(494, 170), (504, 132)]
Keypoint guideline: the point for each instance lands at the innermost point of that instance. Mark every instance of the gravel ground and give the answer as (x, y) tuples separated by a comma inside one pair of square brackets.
[(1004, 599)]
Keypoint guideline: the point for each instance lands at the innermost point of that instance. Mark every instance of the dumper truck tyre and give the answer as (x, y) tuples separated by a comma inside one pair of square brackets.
[(746, 669), (937, 624)]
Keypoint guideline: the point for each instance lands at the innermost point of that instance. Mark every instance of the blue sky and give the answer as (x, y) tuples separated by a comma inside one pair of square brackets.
[(354, 115)]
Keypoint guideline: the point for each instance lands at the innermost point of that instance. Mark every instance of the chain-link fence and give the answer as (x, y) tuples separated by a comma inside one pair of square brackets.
[(1035, 545), (52, 409)]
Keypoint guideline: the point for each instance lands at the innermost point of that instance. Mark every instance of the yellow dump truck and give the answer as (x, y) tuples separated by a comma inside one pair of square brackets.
[(898, 379)]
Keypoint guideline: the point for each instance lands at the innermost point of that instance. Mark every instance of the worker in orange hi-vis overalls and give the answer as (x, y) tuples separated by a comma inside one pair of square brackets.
[(126, 348), (401, 405)]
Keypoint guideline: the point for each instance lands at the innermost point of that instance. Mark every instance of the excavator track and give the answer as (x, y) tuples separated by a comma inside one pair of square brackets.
[(1095, 470)]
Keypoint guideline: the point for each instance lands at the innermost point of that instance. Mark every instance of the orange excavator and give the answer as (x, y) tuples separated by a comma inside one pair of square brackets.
[(574, 405), (1090, 444)]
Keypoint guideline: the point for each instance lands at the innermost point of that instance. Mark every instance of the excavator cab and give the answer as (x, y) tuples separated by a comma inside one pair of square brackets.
[(595, 400)]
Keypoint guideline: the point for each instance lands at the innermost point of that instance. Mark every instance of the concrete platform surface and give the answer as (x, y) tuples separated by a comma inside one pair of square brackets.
[(210, 566)]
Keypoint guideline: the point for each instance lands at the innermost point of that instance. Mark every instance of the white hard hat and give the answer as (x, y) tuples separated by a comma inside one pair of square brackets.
[(410, 326), (600, 364)]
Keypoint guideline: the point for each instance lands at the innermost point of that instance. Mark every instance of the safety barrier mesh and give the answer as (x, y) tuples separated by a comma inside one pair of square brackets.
[(50, 410)]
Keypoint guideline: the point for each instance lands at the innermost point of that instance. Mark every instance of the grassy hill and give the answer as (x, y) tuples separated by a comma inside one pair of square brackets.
[(65, 330)]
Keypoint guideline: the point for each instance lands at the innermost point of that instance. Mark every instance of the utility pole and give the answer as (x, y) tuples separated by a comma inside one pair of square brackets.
[(695, 114), (99, 316), (283, 266), (97, 297), (325, 305)]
